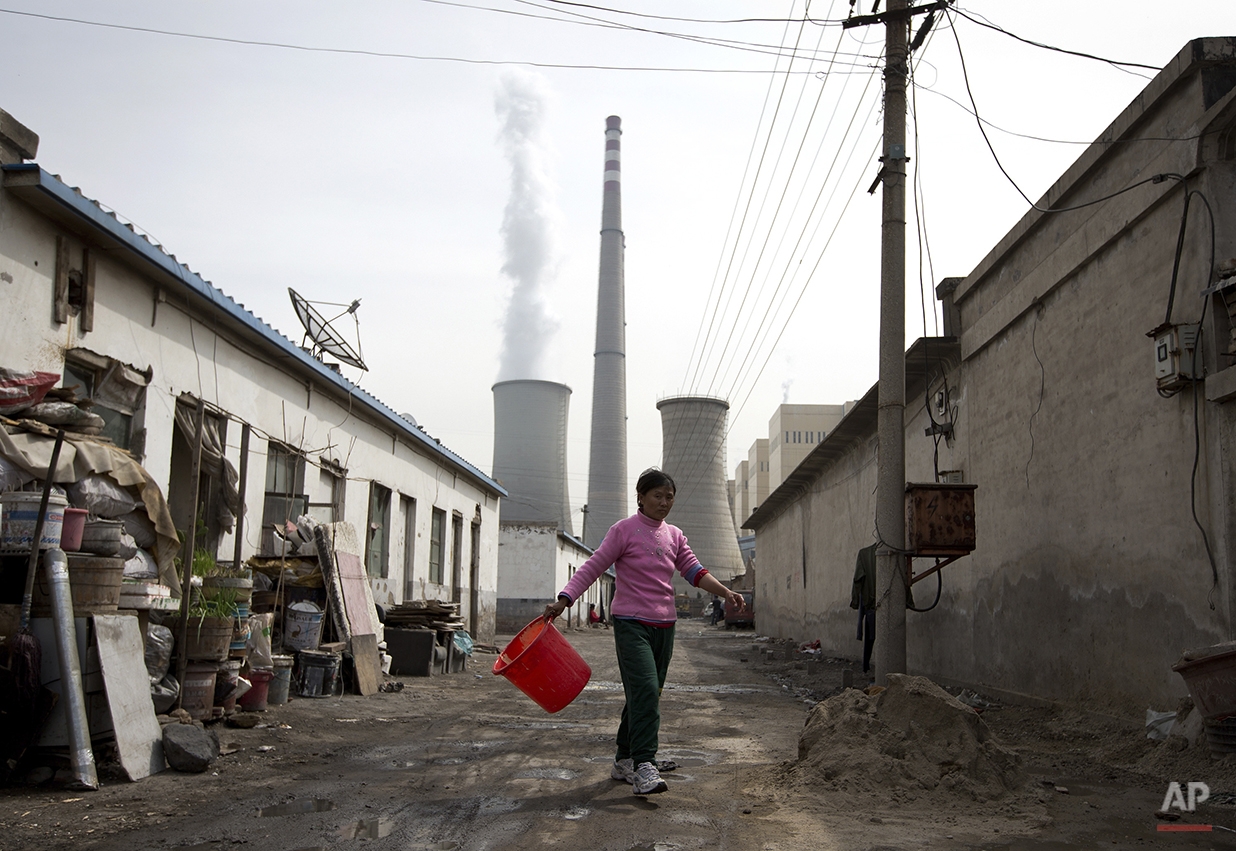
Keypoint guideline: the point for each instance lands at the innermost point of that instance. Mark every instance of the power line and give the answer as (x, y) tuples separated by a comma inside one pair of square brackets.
[(391, 54), (1113, 62)]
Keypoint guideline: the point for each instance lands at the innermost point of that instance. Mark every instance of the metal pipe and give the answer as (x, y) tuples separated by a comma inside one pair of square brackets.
[(56, 564)]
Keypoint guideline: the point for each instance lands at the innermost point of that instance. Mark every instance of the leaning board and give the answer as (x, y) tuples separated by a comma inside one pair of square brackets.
[(139, 738)]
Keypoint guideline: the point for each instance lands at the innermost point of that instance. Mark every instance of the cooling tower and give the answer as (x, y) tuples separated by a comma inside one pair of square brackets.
[(530, 451), (607, 461), (693, 453)]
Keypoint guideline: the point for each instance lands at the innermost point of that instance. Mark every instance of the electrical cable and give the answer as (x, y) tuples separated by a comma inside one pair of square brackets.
[(789, 270), (1197, 440), (396, 55), (759, 257), (588, 20), (939, 588), (750, 198), (1000, 165), (1113, 62), (1042, 386)]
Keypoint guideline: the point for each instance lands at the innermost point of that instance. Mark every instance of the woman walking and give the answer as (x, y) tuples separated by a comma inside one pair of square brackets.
[(645, 552)]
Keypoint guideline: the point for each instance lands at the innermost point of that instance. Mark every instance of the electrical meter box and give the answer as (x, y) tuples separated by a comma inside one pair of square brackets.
[(1175, 355), (940, 518)]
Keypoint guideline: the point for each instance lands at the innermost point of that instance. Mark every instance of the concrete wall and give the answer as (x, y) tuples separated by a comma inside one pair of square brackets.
[(535, 561), (1090, 576), (193, 348)]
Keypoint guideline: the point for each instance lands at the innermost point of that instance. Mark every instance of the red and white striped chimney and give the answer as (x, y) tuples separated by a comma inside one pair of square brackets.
[(607, 466)]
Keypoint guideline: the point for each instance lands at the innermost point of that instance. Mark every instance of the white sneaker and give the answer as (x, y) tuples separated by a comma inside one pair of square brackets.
[(624, 770), (647, 780)]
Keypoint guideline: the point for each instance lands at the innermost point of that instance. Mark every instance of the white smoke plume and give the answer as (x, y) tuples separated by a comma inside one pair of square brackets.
[(528, 225), (785, 391)]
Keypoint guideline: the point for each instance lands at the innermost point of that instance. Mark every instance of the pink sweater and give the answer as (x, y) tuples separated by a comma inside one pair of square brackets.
[(645, 553)]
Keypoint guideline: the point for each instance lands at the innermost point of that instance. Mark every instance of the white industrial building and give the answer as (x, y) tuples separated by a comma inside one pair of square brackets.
[(89, 298)]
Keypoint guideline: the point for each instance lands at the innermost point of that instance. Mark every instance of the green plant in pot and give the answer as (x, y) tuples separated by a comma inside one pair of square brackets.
[(219, 578)]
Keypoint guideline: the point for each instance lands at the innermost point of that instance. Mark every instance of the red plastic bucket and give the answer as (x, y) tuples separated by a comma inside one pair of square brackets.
[(544, 666), (255, 698)]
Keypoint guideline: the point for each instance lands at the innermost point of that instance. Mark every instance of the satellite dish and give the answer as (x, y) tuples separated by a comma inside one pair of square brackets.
[(325, 338)]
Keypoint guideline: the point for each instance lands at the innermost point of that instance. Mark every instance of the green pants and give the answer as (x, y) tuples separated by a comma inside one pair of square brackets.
[(644, 654)]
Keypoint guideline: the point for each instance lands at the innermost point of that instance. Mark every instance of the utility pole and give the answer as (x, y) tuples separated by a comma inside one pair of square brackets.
[(890, 645)]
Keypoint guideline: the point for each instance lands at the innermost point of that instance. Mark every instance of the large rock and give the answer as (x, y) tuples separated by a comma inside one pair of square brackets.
[(189, 748)]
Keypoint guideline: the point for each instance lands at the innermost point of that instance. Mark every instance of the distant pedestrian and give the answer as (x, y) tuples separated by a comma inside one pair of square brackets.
[(645, 552), (593, 618), (717, 611)]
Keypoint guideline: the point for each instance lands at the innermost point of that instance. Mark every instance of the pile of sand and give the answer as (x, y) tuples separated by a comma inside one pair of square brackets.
[(909, 740)]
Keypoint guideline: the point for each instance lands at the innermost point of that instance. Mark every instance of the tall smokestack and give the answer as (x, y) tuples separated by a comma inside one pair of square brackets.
[(693, 452), (530, 451), (607, 464)]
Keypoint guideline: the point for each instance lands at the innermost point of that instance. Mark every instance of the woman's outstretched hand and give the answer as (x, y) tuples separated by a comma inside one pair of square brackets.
[(736, 600), (554, 609)]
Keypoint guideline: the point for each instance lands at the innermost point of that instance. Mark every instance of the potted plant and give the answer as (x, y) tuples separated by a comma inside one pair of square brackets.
[(220, 578), (211, 623)]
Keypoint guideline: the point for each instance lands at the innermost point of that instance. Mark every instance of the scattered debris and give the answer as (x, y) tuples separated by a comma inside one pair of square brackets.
[(391, 687), (1159, 724)]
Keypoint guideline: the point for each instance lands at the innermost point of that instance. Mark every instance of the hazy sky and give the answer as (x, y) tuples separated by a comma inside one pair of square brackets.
[(453, 185)]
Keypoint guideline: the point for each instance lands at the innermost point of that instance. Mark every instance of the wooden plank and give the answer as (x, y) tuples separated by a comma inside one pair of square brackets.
[(331, 579), (366, 662), (139, 738), (357, 596), (87, 317), (60, 308)]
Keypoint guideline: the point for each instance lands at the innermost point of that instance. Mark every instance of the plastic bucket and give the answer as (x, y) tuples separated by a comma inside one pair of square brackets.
[(71, 531), (302, 630), (19, 513), (544, 666), (317, 674), (198, 690), (281, 684), (254, 699)]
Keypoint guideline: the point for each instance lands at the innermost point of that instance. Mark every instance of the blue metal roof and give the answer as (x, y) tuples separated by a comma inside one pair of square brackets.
[(50, 195)]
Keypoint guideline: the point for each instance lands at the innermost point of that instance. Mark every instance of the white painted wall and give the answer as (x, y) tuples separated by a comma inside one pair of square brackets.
[(193, 347)]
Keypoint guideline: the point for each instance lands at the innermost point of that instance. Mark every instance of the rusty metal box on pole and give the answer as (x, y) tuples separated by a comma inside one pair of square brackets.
[(940, 518)]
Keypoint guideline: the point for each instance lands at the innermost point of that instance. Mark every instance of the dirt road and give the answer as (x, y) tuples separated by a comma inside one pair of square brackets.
[(467, 762)]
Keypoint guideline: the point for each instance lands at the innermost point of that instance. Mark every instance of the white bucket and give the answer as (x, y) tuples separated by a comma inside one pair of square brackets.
[(19, 513), (302, 626)]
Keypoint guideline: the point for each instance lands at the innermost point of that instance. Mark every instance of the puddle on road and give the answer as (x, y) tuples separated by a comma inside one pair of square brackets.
[(497, 806), (370, 828), (547, 774), (536, 725), (447, 760), (723, 688), (295, 808), (577, 813)]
